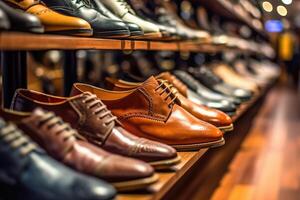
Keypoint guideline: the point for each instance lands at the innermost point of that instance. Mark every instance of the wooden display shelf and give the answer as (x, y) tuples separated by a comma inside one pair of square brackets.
[(27, 41), (169, 178)]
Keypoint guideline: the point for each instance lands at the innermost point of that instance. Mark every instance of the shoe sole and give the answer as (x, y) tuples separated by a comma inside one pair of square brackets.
[(135, 184), (76, 32), (148, 36), (226, 128), (165, 164), (112, 34), (195, 147)]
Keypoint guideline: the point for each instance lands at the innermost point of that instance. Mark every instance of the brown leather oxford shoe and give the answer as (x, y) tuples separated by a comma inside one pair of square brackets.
[(152, 111), (210, 115), (66, 145), (86, 113)]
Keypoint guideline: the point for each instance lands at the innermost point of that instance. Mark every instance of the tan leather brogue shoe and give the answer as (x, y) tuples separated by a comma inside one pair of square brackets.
[(212, 116), (152, 111)]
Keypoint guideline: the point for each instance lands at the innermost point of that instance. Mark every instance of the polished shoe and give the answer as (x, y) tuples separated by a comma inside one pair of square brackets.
[(153, 111), (66, 145), (212, 116), (4, 22), (29, 173), (124, 11), (203, 94), (207, 92), (52, 21), (213, 82), (102, 26), (229, 76), (87, 114), (134, 29), (21, 21)]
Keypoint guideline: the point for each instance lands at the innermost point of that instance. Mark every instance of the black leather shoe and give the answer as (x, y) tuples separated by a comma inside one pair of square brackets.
[(21, 21), (27, 172), (210, 80), (4, 22), (102, 26), (198, 94), (202, 90), (134, 29)]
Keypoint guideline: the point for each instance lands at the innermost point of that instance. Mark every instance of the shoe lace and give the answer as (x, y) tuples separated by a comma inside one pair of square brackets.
[(169, 90), (58, 126), (98, 108), (14, 137), (126, 6)]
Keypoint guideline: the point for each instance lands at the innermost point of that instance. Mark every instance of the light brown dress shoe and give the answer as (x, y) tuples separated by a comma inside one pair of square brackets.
[(212, 116), (53, 22), (229, 76), (153, 111), (67, 146)]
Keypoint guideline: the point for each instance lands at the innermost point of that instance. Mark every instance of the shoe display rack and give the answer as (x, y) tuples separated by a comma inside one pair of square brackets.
[(15, 45)]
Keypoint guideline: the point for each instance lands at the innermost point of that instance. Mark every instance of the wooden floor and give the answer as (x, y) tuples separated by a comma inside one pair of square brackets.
[(267, 167)]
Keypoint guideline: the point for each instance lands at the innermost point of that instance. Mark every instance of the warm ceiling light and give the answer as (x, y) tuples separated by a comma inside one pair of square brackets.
[(287, 2), (282, 10), (267, 6)]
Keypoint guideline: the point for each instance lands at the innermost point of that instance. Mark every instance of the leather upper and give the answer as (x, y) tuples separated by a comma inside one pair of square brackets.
[(82, 9), (27, 169), (126, 13), (4, 22), (20, 20), (152, 111), (91, 118), (204, 113), (51, 20)]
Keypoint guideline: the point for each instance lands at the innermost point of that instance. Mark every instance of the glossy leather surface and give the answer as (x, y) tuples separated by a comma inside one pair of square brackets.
[(134, 29), (204, 113), (36, 176), (21, 21), (53, 21), (147, 112), (102, 26), (100, 130)]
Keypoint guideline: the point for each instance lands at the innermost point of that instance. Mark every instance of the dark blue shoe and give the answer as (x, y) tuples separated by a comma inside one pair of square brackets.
[(31, 174)]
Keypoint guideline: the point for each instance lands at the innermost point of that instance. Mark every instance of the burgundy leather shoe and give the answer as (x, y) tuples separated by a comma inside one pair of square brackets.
[(87, 114), (66, 145)]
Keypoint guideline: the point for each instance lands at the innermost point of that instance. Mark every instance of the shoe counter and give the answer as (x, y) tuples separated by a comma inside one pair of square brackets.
[(190, 78)]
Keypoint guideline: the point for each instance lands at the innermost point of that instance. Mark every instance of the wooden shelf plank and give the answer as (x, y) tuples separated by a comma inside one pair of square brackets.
[(27, 41), (167, 179)]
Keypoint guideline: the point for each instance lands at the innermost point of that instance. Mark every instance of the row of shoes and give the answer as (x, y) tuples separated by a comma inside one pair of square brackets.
[(97, 141), (98, 18)]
